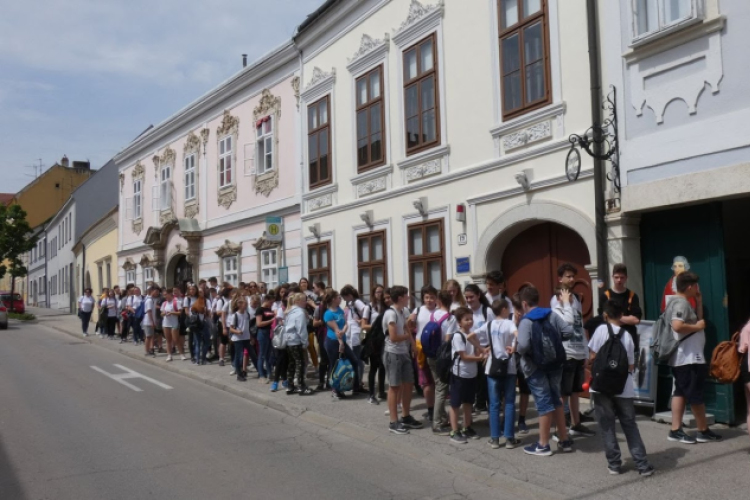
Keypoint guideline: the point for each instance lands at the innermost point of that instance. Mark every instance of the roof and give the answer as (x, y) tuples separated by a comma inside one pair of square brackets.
[(315, 15), (6, 198)]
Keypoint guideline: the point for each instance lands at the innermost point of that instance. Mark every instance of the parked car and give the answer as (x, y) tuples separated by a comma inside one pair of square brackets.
[(18, 305), (3, 317)]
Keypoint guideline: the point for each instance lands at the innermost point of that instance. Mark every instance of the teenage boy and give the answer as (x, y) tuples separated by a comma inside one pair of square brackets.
[(544, 384), (608, 408), (628, 302), (464, 375), (688, 363), (397, 362), (495, 283), (133, 303)]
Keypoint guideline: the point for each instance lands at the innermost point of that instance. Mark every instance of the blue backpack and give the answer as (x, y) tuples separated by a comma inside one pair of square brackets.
[(547, 351), (432, 336), (140, 311), (342, 376)]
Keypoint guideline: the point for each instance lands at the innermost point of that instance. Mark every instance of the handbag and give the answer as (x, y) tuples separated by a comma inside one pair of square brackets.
[(498, 366), (279, 339)]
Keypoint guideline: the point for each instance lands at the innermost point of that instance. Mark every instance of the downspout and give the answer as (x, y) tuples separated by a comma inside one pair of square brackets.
[(300, 154), (596, 118)]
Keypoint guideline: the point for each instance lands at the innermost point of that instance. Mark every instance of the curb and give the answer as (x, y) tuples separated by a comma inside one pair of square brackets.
[(509, 484)]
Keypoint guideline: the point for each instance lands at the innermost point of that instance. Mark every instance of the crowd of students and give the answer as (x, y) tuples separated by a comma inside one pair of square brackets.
[(499, 343)]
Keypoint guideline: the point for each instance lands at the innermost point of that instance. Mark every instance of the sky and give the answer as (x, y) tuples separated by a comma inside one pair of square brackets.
[(83, 78)]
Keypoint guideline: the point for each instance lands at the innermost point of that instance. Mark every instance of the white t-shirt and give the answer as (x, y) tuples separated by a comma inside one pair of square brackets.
[(86, 303), (134, 301), (600, 337), (218, 305), (690, 350), (455, 305), (242, 324), (463, 369), (111, 305), (479, 322), (503, 332), (188, 302), (355, 311), (148, 306), (170, 321), (424, 315), (393, 316)]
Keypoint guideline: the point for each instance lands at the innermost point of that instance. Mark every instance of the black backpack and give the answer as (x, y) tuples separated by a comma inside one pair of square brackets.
[(374, 340), (445, 359), (609, 373)]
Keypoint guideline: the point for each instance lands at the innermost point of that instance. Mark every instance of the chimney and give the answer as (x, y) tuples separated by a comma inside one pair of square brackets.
[(82, 165), (65, 162), (244, 60)]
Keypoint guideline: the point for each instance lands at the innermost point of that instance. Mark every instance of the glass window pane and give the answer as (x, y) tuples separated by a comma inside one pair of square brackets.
[(531, 7), (265, 258), (312, 118), (323, 156), (362, 124), (535, 82), (365, 285), (647, 16), (229, 144), (508, 12), (377, 248), (364, 250), (221, 147), (362, 156), (261, 149), (313, 258), (412, 132), (433, 239), (675, 10), (415, 236), (375, 119), (512, 91), (511, 54), (376, 147), (412, 101), (273, 256), (361, 91), (323, 257), (269, 145), (427, 89), (410, 64), (375, 84), (268, 126), (378, 275), (429, 129), (417, 276), (323, 112), (532, 43), (435, 273), (426, 53)]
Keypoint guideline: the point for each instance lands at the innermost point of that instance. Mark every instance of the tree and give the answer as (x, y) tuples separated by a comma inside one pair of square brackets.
[(15, 241)]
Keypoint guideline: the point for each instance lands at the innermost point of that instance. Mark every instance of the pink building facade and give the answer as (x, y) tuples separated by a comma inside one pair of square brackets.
[(196, 190)]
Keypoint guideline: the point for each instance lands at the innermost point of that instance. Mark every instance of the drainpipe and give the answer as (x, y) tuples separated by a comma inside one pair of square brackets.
[(596, 118)]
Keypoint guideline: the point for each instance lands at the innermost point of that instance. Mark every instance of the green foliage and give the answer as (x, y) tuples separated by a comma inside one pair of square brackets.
[(22, 317), (15, 240)]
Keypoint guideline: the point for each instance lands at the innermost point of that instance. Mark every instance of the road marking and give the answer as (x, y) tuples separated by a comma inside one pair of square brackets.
[(130, 374)]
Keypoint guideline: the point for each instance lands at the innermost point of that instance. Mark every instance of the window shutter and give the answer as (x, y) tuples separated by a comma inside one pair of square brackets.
[(129, 208), (250, 159), (155, 199)]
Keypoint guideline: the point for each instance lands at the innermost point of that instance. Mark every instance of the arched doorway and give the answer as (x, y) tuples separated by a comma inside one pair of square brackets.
[(180, 271), (534, 255)]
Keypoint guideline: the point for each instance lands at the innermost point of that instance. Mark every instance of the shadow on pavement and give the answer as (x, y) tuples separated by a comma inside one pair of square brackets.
[(10, 486)]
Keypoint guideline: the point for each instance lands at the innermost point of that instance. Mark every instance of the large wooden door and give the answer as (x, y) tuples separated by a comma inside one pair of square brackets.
[(183, 273), (534, 256)]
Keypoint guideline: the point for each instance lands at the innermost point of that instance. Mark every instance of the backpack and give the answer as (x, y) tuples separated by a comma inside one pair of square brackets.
[(664, 345), (279, 339), (547, 351), (726, 361), (609, 372), (432, 336), (374, 340), (342, 376), (445, 359), (140, 311)]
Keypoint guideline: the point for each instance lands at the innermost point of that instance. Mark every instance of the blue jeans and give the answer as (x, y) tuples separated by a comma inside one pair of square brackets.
[(201, 343), (499, 388), (332, 349), (137, 331), (239, 354), (265, 364), (85, 319), (545, 386)]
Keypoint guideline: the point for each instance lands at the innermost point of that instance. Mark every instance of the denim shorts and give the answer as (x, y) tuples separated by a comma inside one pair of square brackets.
[(545, 387)]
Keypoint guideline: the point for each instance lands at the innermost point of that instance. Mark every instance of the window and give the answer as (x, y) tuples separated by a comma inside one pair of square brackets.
[(370, 119), (109, 274), (100, 271), (318, 142), (264, 155), (524, 56), (229, 265), (319, 262), (130, 276), (165, 195), (190, 177), (421, 96), (148, 277), (371, 262), (137, 199), (652, 16), (426, 262), (269, 269), (225, 162)]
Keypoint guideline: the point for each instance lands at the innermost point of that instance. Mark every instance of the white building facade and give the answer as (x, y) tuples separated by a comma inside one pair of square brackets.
[(60, 258), (36, 279)]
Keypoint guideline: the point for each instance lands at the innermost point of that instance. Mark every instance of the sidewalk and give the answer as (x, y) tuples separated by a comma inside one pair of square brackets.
[(720, 468)]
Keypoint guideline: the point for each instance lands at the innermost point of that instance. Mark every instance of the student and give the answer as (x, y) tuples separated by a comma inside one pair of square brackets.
[(607, 408), (464, 375), (264, 317), (201, 336), (688, 363), (320, 333), (544, 384), (494, 281), (356, 313), (457, 298), (149, 321), (375, 343), (480, 308), (110, 306), (187, 304), (397, 361), (86, 305), (295, 332), (523, 388), (744, 349), (170, 312), (239, 326), (335, 343), (628, 301), (502, 333), (441, 425)]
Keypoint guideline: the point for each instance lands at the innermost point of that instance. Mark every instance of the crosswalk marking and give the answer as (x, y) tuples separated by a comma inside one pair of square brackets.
[(130, 374)]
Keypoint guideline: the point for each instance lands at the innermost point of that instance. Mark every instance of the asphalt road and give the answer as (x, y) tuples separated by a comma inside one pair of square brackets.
[(68, 431)]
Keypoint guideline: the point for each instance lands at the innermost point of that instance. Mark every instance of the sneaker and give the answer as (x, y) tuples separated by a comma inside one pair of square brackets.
[(169, 358), (647, 471), (320, 388), (85, 334), (284, 384), (267, 381), (707, 436), (522, 427), (555, 437), (411, 423), (565, 446), (511, 443), (306, 391), (615, 471), (680, 436), (469, 433), (233, 372), (221, 362), (240, 378), (494, 443), (398, 428), (184, 358), (538, 450), (373, 400), (274, 387), (442, 430), (290, 390), (382, 396), (458, 438), (581, 430)]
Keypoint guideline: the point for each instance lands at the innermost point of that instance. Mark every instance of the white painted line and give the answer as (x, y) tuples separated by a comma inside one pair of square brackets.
[(130, 374)]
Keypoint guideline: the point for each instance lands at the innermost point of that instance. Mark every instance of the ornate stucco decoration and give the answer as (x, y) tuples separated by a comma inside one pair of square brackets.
[(370, 51), (155, 160), (167, 157), (204, 138), (230, 125), (529, 135), (263, 244), (129, 265), (319, 75), (122, 181), (229, 249), (295, 88), (420, 17), (426, 169), (192, 147), (320, 202), (268, 105), (137, 226), (138, 171), (145, 261), (372, 186)]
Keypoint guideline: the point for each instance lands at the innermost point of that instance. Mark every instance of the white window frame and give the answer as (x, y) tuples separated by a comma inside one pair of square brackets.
[(264, 160), (137, 199), (230, 269), (225, 158), (662, 26), (190, 191), (130, 276), (165, 188), (148, 275), (269, 273)]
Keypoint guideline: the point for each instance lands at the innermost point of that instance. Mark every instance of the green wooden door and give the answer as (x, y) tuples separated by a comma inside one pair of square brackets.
[(695, 232)]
